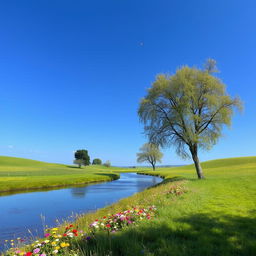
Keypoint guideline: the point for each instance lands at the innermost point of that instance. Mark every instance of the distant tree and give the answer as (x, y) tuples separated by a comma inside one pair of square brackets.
[(107, 163), (82, 157), (187, 110), (149, 153), (97, 161)]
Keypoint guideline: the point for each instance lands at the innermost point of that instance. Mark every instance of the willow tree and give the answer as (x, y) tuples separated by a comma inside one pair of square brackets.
[(187, 110), (149, 153)]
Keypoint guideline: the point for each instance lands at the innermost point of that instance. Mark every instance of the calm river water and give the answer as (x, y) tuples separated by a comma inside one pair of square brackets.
[(22, 212)]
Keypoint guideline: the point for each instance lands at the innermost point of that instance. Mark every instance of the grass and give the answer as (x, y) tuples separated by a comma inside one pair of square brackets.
[(216, 216), (24, 174)]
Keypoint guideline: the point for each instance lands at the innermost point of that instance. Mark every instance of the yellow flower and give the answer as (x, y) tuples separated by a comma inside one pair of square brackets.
[(53, 243), (63, 244), (57, 248), (54, 229)]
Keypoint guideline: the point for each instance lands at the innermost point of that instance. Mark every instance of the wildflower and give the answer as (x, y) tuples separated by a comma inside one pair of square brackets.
[(37, 250), (47, 234), (64, 244)]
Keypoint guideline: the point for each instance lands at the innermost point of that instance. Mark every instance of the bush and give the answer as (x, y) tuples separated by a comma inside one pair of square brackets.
[(97, 161), (107, 163)]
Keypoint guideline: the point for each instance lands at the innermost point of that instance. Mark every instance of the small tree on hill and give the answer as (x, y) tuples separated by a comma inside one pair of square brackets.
[(187, 110), (149, 153), (107, 163), (97, 161), (82, 157)]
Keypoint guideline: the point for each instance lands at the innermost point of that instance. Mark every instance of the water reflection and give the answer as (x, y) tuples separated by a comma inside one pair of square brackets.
[(78, 192)]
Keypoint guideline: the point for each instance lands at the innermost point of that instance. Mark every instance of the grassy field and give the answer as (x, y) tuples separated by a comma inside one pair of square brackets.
[(215, 216), (22, 174)]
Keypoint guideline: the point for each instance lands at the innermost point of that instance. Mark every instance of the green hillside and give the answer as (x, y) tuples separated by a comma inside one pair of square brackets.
[(19, 173), (215, 216)]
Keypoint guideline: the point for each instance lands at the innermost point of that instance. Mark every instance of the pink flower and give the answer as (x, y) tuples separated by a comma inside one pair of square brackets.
[(37, 250), (46, 235)]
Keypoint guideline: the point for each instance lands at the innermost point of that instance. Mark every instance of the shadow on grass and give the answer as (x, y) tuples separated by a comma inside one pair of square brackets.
[(112, 176), (73, 166), (197, 235)]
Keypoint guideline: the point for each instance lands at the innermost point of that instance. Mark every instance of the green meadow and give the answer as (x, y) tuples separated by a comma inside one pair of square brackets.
[(24, 174), (215, 216)]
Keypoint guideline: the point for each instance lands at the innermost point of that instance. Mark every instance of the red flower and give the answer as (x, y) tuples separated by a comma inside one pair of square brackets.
[(74, 231), (108, 225), (29, 253), (65, 234), (71, 226)]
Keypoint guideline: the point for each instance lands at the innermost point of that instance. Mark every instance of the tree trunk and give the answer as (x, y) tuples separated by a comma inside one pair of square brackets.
[(153, 165), (198, 167)]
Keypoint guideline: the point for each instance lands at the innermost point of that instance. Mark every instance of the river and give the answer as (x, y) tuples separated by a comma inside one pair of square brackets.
[(22, 212)]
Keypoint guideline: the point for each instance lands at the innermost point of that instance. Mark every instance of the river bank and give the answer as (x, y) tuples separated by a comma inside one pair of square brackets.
[(214, 216), (21, 212), (18, 175)]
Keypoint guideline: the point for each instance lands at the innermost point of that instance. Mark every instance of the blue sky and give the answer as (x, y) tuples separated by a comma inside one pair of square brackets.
[(72, 73)]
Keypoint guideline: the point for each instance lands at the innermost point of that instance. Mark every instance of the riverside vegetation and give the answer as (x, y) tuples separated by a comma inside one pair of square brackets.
[(215, 216), (23, 174)]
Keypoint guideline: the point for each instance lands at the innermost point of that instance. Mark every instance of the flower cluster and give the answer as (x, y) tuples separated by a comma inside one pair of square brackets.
[(177, 190), (120, 220), (54, 243)]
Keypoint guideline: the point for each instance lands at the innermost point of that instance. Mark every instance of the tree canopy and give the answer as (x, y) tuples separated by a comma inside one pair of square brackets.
[(187, 110), (107, 163), (149, 153), (82, 157), (97, 161)]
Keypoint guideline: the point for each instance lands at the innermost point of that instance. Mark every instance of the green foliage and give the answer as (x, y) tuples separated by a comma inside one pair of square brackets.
[(82, 157), (187, 110), (97, 161), (149, 153), (107, 163)]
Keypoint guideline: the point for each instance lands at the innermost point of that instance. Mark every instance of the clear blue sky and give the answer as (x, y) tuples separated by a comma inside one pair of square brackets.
[(72, 73)]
